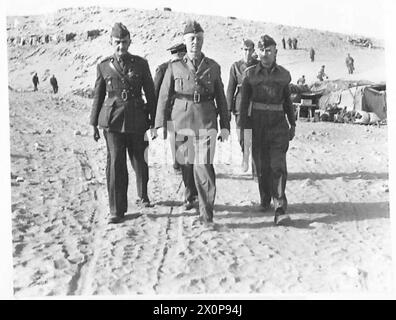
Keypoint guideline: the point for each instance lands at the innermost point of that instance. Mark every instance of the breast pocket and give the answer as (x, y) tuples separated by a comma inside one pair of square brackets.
[(110, 84), (207, 82), (106, 112), (179, 84), (136, 78)]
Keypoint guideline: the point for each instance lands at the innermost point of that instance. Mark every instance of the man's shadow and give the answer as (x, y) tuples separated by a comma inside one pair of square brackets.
[(332, 213)]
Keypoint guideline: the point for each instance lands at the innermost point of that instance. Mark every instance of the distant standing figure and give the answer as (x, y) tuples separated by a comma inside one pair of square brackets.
[(295, 43), (54, 83), (312, 54), (290, 43), (35, 80), (349, 63), (284, 43), (321, 74), (301, 81)]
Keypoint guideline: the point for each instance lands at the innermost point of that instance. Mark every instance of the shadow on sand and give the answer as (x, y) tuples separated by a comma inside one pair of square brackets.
[(315, 176)]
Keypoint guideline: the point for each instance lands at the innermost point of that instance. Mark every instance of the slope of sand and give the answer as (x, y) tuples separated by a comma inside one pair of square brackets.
[(74, 62), (339, 241)]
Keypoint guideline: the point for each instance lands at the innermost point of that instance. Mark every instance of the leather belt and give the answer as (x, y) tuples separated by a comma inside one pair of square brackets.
[(267, 106), (196, 97), (125, 94)]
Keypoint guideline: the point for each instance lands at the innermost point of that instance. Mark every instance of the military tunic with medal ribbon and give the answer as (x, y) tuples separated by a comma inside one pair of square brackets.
[(118, 103), (198, 93)]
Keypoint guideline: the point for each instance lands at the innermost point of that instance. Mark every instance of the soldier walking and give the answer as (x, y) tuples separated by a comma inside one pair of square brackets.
[(35, 80), (54, 83), (234, 95), (177, 51), (194, 82), (295, 43), (284, 43), (290, 43), (265, 101), (312, 54), (350, 64), (118, 108)]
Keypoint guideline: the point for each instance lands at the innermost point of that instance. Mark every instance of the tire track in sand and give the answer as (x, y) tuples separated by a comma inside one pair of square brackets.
[(166, 244)]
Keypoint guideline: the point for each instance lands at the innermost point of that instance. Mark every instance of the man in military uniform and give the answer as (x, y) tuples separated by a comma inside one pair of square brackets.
[(265, 102), (290, 43), (350, 64), (284, 43), (177, 51), (234, 96), (312, 54), (119, 109), (54, 83), (295, 43), (194, 82), (35, 80), (321, 74)]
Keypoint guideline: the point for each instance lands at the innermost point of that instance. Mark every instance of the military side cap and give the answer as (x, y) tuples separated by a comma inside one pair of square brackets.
[(192, 27), (179, 47), (119, 31), (266, 41), (248, 43)]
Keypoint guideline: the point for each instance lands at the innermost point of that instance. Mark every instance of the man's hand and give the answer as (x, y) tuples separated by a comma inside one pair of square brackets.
[(96, 134), (162, 133), (153, 133), (223, 136), (292, 132)]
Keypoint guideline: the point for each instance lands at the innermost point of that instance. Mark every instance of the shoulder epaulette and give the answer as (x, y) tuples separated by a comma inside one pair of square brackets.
[(250, 68), (105, 59), (175, 59)]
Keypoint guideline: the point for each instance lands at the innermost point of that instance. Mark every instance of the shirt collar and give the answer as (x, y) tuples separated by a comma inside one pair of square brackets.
[(200, 59), (274, 67)]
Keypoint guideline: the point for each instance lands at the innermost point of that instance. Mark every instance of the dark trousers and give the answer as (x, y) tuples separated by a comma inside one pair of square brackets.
[(35, 87), (270, 142), (195, 156), (55, 89), (118, 144)]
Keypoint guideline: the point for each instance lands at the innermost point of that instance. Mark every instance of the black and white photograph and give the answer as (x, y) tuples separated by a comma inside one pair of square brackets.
[(174, 149)]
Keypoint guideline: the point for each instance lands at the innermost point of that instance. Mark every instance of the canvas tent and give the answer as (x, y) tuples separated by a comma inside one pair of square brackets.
[(374, 100), (369, 98)]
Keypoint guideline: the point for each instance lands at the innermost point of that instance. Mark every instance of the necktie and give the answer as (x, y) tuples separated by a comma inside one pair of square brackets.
[(195, 63), (122, 64)]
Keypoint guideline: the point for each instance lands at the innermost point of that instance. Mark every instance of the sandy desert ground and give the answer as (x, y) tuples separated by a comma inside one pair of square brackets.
[(338, 242)]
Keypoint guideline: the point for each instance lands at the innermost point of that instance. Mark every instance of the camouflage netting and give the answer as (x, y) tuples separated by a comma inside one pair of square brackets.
[(328, 86)]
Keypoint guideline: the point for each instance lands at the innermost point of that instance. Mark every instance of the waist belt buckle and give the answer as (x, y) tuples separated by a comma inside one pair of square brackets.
[(196, 97), (124, 95)]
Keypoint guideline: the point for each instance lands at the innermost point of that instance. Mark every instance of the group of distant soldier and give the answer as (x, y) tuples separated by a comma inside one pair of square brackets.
[(321, 76), (53, 82), (34, 40), (184, 102), (291, 42)]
